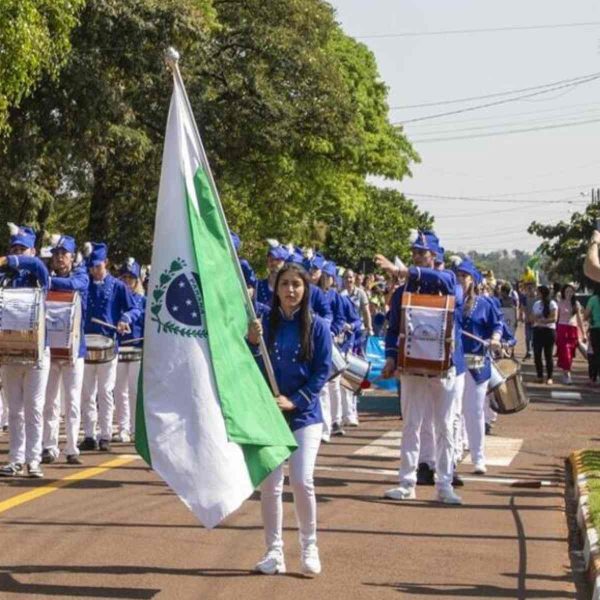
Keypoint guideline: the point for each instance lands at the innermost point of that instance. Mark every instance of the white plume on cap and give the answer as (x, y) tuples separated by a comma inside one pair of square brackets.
[(455, 260), (413, 236), (130, 260), (273, 243), (308, 253), (54, 239), (87, 249), (13, 229), (78, 258), (290, 248)]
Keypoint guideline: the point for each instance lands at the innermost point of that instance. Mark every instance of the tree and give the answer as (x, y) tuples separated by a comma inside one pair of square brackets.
[(34, 39)]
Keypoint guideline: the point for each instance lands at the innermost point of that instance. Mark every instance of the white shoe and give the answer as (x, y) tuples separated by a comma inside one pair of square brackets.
[(448, 496), (34, 470), (311, 564), (351, 422), (567, 379), (325, 439), (480, 469), (402, 492), (271, 563), (124, 437)]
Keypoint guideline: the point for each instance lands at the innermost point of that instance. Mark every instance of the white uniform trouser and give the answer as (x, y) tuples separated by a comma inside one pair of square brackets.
[(335, 400), (326, 411), (349, 405), (301, 469), (3, 410), (126, 394), (474, 412), (98, 378), (427, 446), (25, 390), (490, 414), (459, 391), (69, 378), (414, 390)]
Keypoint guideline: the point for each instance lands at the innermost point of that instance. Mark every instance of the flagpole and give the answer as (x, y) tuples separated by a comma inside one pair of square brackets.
[(172, 61)]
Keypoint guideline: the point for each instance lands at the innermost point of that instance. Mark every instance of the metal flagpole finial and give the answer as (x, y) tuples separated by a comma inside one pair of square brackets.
[(171, 57)]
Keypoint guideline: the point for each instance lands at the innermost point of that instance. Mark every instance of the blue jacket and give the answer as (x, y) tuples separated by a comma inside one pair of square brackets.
[(28, 271), (137, 325), (77, 281), (111, 301), (301, 382), (483, 320), (264, 294), (426, 281), (351, 317), (337, 310), (319, 303)]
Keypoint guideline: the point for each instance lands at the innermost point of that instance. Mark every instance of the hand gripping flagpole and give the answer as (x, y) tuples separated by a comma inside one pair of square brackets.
[(172, 60)]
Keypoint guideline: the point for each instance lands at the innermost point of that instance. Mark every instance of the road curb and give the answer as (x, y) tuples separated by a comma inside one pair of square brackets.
[(589, 535)]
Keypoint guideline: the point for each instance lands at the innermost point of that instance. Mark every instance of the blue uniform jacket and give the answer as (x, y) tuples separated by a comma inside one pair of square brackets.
[(319, 303), (337, 310), (301, 382), (111, 301), (351, 317), (77, 281), (28, 271), (427, 281), (137, 325), (264, 294), (483, 320)]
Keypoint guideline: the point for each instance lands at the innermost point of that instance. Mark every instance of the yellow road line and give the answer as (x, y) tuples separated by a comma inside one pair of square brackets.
[(65, 481)]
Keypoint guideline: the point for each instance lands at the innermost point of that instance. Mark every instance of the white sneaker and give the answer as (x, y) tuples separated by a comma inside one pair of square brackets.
[(124, 437), (351, 422), (448, 496), (567, 379), (271, 563), (325, 439), (34, 470), (402, 492), (480, 469), (311, 564)]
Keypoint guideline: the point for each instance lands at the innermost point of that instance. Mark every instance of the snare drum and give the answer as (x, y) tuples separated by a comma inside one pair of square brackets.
[(22, 325), (509, 397), (356, 374), (130, 354), (63, 323), (100, 349), (338, 362)]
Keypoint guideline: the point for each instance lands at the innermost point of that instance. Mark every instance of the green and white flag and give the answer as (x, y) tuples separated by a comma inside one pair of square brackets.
[(207, 422)]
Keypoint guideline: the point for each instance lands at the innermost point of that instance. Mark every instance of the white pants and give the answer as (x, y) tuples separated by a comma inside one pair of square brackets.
[(335, 400), (3, 410), (441, 392), (490, 414), (98, 378), (126, 394), (349, 406), (326, 411), (69, 378), (459, 391), (301, 469), (473, 410), (25, 390), (427, 446)]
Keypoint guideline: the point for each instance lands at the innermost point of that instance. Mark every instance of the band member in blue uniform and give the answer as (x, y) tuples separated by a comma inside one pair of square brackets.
[(111, 301), (480, 317), (66, 276), (128, 371), (299, 346), (24, 385), (423, 278), (276, 257)]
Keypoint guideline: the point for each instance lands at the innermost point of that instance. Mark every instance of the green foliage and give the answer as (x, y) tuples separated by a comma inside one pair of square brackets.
[(506, 265), (34, 39), (291, 110)]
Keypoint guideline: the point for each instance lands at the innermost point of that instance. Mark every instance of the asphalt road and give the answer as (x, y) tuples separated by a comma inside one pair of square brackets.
[(119, 532)]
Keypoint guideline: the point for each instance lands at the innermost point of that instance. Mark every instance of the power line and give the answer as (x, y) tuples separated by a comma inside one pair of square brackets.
[(481, 30), (494, 95), (494, 200), (498, 102), (510, 132)]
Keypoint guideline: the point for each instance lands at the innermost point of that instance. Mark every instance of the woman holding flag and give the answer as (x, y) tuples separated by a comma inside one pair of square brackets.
[(299, 347)]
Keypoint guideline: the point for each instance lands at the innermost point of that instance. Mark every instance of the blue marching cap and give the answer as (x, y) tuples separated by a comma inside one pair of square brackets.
[(278, 252), (330, 269), (466, 266), (98, 255), (235, 240), (424, 240), (66, 243), (249, 274), (296, 257), (131, 267), (314, 262), (439, 258), (21, 236)]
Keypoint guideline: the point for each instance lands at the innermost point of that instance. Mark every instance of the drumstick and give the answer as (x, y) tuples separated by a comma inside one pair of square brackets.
[(128, 342), (477, 339), (94, 320)]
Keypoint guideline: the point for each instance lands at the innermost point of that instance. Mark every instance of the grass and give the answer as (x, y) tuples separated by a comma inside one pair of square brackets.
[(590, 466)]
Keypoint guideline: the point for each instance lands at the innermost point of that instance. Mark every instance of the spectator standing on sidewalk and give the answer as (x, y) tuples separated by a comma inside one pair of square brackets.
[(592, 316), (526, 309), (569, 324), (544, 311)]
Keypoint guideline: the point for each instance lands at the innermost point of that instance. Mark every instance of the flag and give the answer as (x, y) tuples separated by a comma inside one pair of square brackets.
[(206, 422)]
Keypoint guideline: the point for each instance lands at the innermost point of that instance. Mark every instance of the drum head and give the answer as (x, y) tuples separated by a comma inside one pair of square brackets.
[(98, 342), (508, 367)]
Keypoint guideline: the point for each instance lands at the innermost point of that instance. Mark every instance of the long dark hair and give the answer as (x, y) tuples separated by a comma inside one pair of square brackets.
[(544, 291), (306, 349), (574, 302)]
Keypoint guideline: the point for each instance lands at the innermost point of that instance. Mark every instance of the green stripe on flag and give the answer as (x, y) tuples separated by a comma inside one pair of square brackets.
[(141, 435), (252, 418)]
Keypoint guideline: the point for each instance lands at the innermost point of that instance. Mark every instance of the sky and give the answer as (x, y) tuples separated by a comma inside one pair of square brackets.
[(484, 191)]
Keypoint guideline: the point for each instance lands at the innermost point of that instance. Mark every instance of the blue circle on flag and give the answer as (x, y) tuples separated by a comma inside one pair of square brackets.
[(183, 299)]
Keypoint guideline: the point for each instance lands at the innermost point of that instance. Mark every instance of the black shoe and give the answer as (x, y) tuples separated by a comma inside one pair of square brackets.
[(457, 480), (527, 356), (425, 475), (488, 429), (336, 429), (4, 428), (47, 457), (73, 459), (104, 445), (88, 444)]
